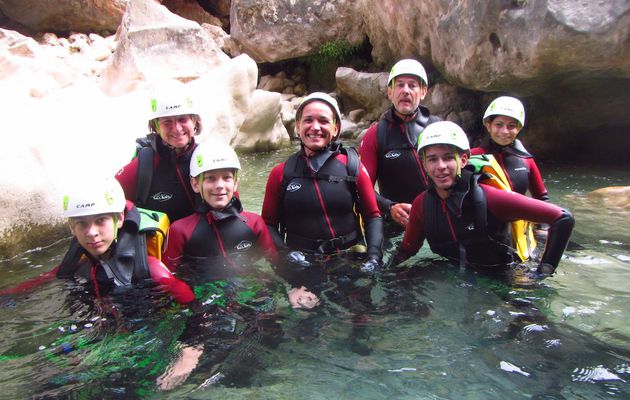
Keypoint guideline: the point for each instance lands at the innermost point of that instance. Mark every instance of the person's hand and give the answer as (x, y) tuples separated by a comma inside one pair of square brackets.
[(302, 298), (179, 371), (370, 266), (297, 257), (400, 213)]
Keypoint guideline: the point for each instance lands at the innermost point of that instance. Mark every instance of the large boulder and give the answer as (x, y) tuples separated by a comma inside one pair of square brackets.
[(154, 44), (64, 16), (366, 90), (498, 44), (562, 57), (274, 30)]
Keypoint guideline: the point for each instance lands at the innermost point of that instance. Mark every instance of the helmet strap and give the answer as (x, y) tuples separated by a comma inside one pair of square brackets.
[(458, 161)]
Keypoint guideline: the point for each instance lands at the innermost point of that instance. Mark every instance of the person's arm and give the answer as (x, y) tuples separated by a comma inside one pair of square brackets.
[(127, 176), (368, 153), (371, 216), (414, 232), (178, 235), (179, 290), (31, 284), (536, 184), (511, 206), (265, 242)]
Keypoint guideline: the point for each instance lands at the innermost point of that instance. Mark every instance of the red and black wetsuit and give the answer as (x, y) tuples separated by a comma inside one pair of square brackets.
[(519, 166), (170, 191), (314, 207), (390, 157), (211, 244), (455, 226)]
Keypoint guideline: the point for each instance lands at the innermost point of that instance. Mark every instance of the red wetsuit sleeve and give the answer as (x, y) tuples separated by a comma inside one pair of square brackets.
[(369, 206), (511, 206), (179, 290), (271, 206), (414, 231), (178, 235), (536, 185), (127, 176), (477, 151), (265, 242), (368, 151), (31, 284)]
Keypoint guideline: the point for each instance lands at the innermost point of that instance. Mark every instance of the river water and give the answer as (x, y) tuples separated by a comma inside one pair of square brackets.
[(435, 331)]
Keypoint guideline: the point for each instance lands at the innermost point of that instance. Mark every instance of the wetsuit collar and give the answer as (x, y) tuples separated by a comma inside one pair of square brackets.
[(515, 148), (233, 209), (318, 160)]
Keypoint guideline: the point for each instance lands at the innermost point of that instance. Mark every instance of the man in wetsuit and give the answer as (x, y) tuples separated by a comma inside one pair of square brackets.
[(388, 149), (466, 221)]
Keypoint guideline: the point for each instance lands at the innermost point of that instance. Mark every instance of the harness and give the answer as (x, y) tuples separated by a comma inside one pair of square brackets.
[(127, 264), (294, 168), (474, 237), (394, 153), (144, 152)]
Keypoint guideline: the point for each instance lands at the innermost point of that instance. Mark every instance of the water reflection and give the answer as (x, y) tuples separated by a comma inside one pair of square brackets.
[(427, 330)]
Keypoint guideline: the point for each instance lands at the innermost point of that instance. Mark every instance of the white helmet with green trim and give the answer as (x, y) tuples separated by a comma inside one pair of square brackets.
[(95, 197), (408, 66), (171, 99), (508, 106), (444, 132), (213, 154), (320, 96)]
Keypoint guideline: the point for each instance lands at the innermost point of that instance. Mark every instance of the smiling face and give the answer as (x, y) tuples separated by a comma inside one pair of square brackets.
[(176, 131), (442, 165), (96, 233), (503, 129), (406, 95), (216, 188), (317, 126)]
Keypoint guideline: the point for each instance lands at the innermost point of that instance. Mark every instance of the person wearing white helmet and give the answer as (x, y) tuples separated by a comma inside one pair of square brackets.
[(467, 221), (315, 200), (219, 236), (157, 178), (107, 250), (388, 149), (504, 118)]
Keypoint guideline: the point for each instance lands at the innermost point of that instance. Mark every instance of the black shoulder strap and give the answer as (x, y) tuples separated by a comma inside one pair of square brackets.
[(70, 262), (478, 199), (381, 134), (145, 175)]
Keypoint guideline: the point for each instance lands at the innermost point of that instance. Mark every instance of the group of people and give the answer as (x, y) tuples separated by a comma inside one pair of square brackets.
[(319, 204)]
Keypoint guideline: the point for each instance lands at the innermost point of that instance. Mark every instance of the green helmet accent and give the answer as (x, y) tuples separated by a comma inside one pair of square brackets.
[(98, 197), (213, 154), (444, 132)]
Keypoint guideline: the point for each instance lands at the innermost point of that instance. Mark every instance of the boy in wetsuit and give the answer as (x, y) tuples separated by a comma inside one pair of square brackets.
[(466, 221)]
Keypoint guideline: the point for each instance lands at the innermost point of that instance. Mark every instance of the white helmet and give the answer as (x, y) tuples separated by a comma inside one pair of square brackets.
[(98, 197), (444, 132), (326, 98), (508, 106), (213, 154), (408, 66), (170, 99)]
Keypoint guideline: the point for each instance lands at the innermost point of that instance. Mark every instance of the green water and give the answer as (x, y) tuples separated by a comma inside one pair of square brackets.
[(434, 331)]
